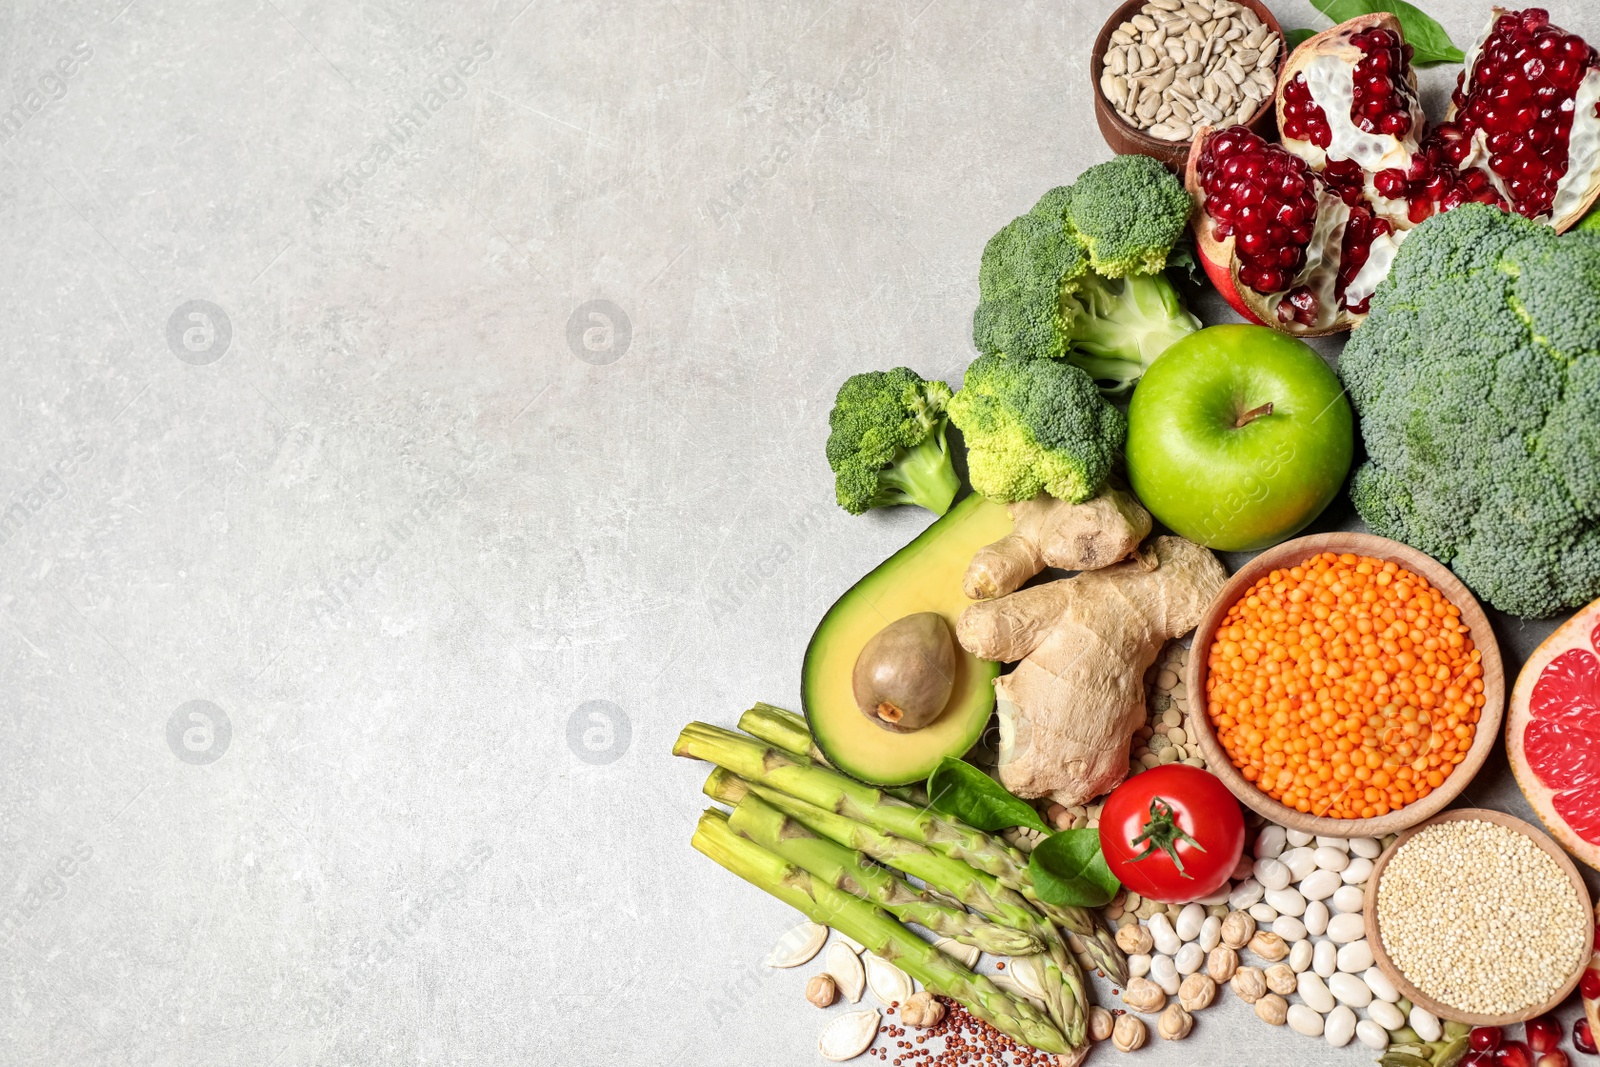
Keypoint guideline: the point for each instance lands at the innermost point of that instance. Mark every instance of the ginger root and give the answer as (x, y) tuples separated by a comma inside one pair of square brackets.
[(1071, 706), (1053, 533)]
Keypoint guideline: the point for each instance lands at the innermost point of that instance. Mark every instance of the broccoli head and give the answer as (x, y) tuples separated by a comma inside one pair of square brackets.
[(1477, 380), (1036, 426), (887, 444), (1080, 275)]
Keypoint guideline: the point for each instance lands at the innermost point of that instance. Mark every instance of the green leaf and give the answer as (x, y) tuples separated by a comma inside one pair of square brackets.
[(1069, 871), (1295, 38), (958, 788), (1432, 43)]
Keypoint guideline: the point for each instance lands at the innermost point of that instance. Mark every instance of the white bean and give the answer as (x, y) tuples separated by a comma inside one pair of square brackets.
[(1138, 965), (1263, 913), (1299, 955), (1316, 918), (1332, 859), (1325, 959), (1355, 957), (1271, 873), (1210, 933), (1340, 843), (1366, 847), (1425, 1023), (1386, 1015), (1313, 991), (1245, 894), (1319, 884), (1170, 986), (1289, 928), (1270, 841), (1372, 1035), (1189, 959), (1302, 1020), (1347, 927), (1298, 838), (1339, 1027), (1348, 898), (1358, 872), (1381, 987), (1287, 901), (1162, 967), (1351, 990), (1219, 897), (1300, 861), (1166, 938), (1189, 922)]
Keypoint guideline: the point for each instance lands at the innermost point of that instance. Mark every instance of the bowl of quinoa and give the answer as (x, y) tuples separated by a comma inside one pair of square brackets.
[(1479, 917)]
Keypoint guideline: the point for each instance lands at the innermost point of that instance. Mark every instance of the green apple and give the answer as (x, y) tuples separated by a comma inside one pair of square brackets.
[(1238, 436)]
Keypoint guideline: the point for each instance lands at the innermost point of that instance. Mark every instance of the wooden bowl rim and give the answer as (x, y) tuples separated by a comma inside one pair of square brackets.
[(1155, 145), (1288, 554), (1369, 912)]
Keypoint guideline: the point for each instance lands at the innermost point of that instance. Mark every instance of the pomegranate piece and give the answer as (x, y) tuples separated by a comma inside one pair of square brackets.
[(1554, 1058), (1273, 235), (1543, 1033), (1525, 115), (1484, 1038), (1349, 95), (1589, 984)]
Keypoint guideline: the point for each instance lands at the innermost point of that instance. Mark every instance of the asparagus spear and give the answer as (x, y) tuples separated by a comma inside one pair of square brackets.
[(802, 778), (846, 869), (876, 930), (1064, 987), (790, 732)]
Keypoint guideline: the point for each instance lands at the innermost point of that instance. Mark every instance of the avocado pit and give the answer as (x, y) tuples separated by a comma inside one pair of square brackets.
[(905, 673)]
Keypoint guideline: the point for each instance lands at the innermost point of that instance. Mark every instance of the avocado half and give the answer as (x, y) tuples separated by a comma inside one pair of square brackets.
[(923, 576)]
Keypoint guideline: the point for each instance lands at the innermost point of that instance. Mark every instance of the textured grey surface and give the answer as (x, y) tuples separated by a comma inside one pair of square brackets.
[(420, 503)]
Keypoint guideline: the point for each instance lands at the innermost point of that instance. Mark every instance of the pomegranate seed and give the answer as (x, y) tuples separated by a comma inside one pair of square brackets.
[(1589, 985), (1543, 1033), (1583, 1039), (1513, 1054), (1484, 1038), (1477, 1059), (1554, 1058)]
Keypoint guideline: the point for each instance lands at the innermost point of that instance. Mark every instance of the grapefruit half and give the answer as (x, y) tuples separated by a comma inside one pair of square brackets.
[(1553, 733)]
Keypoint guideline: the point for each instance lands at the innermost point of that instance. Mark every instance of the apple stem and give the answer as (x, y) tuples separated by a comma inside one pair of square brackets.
[(1252, 415)]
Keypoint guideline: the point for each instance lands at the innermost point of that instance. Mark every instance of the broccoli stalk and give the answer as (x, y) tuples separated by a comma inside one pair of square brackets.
[(1118, 326), (888, 442), (1080, 276)]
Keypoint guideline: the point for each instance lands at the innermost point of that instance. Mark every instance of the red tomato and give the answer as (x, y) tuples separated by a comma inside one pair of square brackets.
[(1172, 833)]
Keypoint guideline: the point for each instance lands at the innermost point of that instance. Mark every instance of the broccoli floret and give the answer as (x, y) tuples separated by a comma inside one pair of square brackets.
[(1035, 425), (1080, 275), (1129, 213), (887, 444), (1477, 380)]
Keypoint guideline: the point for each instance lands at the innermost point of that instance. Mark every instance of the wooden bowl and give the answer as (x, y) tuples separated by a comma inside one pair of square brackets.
[(1125, 139), (1289, 554), (1404, 984)]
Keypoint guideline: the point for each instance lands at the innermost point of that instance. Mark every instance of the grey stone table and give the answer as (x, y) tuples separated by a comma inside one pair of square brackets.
[(412, 415)]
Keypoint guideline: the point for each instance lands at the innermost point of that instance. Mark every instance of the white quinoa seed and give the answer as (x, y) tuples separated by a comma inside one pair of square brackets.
[(1480, 918)]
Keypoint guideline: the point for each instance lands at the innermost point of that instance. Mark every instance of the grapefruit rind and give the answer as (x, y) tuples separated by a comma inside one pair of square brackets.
[(1581, 817)]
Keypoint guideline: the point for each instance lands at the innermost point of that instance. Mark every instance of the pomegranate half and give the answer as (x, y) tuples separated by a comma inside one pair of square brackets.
[(1523, 129), (1553, 733), (1281, 246)]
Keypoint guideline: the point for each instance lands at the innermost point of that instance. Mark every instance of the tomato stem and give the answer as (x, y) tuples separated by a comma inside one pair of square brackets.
[(1162, 833)]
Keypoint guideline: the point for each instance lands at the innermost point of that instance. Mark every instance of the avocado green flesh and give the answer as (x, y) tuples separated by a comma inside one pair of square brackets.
[(924, 576)]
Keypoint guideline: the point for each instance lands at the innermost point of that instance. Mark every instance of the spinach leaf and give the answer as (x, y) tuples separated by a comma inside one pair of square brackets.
[(1432, 43), (1295, 38), (958, 788), (1069, 871)]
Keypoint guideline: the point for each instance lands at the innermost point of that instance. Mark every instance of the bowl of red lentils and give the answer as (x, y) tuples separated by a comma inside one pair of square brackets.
[(1351, 685)]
